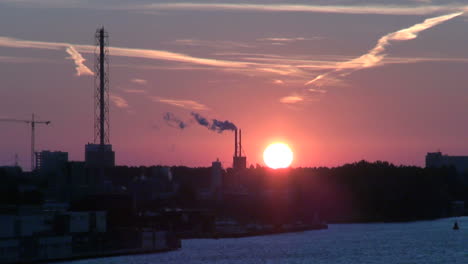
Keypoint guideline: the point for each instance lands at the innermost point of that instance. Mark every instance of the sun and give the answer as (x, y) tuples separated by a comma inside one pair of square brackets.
[(278, 155)]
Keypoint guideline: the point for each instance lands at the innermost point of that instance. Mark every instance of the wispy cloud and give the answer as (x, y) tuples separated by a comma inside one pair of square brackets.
[(11, 59), (291, 99), (319, 91), (139, 81), (77, 58), (375, 56), (226, 65), (172, 56), (423, 1), (134, 91), (122, 52), (17, 43), (80, 68), (118, 101), (286, 39), (219, 44), (419, 7), (187, 104), (304, 8)]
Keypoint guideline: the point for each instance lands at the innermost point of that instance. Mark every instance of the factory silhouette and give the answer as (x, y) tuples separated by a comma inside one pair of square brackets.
[(79, 209)]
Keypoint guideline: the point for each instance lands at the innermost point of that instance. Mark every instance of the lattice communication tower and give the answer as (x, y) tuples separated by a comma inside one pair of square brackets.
[(101, 91)]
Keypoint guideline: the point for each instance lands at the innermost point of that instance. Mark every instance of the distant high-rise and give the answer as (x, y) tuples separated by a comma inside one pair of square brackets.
[(52, 166), (47, 161), (216, 176), (437, 160), (100, 155), (238, 162)]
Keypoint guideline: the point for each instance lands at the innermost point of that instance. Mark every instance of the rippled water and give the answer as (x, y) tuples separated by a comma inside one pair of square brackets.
[(417, 242)]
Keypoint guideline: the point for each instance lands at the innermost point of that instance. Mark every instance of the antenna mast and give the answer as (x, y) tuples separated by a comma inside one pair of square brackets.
[(101, 92)]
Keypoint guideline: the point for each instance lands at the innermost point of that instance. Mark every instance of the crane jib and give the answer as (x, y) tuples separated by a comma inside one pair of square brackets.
[(33, 124)]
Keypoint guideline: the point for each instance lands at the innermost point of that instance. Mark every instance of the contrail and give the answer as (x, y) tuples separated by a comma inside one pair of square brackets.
[(152, 54), (248, 6), (302, 8), (122, 52), (81, 69), (78, 59), (375, 56), (173, 121)]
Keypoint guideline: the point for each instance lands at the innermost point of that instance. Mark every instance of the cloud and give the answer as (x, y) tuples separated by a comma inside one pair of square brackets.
[(287, 40), (227, 65), (423, 1), (375, 56), (216, 44), (303, 8), (291, 99), (11, 59), (297, 68), (319, 91), (139, 81), (119, 51), (277, 81), (135, 91), (118, 101), (174, 121), (17, 43), (421, 7), (187, 104), (172, 56), (80, 68)]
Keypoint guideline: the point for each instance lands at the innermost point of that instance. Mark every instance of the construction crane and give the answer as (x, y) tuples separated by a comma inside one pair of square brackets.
[(33, 123)]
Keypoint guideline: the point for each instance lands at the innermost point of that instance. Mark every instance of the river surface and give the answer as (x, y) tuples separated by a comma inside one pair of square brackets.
[(415, 242)]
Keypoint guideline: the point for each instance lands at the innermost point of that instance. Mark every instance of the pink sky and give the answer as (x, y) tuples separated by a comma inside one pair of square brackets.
[(339, 82)]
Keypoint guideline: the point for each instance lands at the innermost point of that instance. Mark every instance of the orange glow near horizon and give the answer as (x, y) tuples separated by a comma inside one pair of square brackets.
[(278, 155)]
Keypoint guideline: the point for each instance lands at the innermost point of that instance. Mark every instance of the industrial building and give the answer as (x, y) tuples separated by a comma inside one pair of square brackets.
[(50, 160), (58, 216), (216, 176), (438, 160), (100, 155), (239, 162)]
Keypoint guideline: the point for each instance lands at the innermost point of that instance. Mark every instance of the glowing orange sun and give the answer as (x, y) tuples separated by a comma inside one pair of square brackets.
[(278, 155)]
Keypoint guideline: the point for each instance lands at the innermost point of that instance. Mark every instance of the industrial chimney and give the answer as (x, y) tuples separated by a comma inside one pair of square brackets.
[(239, 162)]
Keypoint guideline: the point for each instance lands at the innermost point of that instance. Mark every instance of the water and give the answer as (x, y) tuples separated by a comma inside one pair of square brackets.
[(417, 242)]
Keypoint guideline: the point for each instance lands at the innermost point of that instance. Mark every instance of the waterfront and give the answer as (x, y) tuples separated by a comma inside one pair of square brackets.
[(413, 242)]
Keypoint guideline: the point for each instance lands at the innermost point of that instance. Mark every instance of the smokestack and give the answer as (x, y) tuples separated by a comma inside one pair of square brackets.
[(240, 143), (235, 143)]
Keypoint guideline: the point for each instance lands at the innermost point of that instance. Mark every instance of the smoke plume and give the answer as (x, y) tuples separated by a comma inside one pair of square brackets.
[(215, 125), (173, 121), (220, 126), (201, 120)]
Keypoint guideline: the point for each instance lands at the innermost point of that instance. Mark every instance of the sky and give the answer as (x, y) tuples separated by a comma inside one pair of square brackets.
[(338, 81)]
